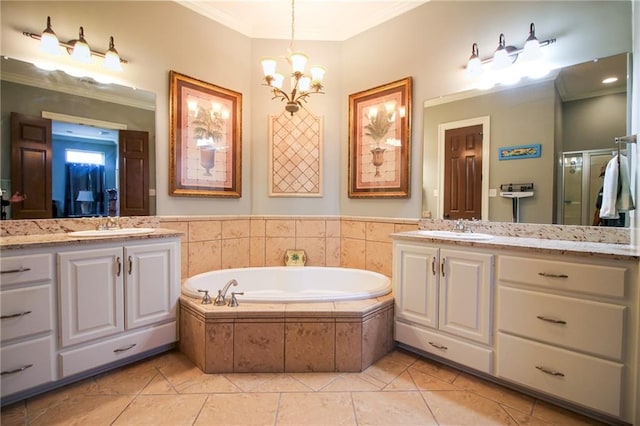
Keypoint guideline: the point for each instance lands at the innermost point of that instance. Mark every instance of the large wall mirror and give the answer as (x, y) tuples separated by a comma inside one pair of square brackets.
[(93, 120), (570, 119)]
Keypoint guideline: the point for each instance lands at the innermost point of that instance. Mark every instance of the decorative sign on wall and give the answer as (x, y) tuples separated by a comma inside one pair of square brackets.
[(521, 151), (295, 155)]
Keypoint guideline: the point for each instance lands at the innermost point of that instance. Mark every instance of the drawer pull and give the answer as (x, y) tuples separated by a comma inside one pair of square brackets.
[(130, 264), (435, 345), (551, 320), (433, 266), (124, 349), (549, 275), (444, 260), (17, 370), (119, 266), (551, 372), (14, 271), (19, 314)]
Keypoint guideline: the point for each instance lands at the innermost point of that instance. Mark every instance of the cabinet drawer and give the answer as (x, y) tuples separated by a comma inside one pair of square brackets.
[(585, 380), (574, 323), (26, 269), (38, 354), (26, 311), (464, 353), (102, 353), (576, 277)]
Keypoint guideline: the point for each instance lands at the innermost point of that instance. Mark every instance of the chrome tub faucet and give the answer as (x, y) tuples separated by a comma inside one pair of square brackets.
[(222, 294)]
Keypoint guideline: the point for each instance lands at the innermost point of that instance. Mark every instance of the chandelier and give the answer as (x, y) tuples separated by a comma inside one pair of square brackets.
[(302, 85)]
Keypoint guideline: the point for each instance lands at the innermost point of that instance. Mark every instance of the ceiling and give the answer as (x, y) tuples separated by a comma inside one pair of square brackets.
[(330, 20)]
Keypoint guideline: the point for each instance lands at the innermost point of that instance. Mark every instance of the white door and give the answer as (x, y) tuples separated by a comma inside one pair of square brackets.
[(152, 283), (415, 279), (91, 294), (465, 294)]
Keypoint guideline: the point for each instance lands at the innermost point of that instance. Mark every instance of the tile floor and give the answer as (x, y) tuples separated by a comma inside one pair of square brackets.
[(400, 389)]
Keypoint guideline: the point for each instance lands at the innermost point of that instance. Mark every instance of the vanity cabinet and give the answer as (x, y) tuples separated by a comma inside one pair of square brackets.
[(443, 302), (116, 301), (564, 328), (27, 324), (71, 307)]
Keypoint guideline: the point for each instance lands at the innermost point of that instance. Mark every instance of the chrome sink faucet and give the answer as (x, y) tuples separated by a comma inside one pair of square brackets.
[(460, 226), (220, 298)]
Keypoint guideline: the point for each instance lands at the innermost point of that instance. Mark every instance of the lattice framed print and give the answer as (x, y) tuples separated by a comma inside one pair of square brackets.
[(295, 155)]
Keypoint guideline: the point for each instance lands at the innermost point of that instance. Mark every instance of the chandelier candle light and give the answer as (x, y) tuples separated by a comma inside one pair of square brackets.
[(302, 85)]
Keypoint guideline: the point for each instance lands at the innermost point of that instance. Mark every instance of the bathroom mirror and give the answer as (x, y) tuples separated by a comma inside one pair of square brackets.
[(105, 111), (568, 114)]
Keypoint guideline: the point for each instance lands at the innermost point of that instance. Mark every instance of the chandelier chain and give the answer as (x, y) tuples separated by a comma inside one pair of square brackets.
[(293, 25)]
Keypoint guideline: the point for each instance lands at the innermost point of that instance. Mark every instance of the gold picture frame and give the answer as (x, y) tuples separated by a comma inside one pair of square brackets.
[(380, 141), (205, 139)]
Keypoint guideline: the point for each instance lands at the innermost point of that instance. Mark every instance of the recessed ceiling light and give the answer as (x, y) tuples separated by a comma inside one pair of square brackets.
[(610, 80)]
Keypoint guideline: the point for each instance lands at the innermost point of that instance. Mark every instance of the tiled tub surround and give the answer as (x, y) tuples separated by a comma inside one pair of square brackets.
[(344, 336)]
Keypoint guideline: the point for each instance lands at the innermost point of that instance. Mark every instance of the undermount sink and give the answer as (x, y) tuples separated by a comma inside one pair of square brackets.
[(456, 235), (110, 232)]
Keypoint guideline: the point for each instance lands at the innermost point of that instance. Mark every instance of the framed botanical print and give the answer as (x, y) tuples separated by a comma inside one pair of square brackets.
[(380, 141), (205, 138)]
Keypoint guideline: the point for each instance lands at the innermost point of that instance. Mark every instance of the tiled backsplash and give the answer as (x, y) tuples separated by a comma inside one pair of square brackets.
[(593, 234)]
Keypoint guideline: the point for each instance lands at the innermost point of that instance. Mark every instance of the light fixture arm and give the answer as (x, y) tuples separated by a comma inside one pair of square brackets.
[(514, 51), (69, 45)]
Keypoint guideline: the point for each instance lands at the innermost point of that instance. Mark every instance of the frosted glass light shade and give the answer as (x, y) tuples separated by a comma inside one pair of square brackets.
[(298, 62), (269, 67), (112, 58), (49, 41), (317, 74)]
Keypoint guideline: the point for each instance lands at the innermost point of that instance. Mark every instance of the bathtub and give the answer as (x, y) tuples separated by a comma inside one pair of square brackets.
[(282, 284)]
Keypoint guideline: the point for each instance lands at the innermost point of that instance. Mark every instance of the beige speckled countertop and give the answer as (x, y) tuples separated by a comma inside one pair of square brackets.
[(61, 239), (536, 245)]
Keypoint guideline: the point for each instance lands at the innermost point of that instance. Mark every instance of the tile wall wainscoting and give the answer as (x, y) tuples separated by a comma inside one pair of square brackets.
[(211, 243)]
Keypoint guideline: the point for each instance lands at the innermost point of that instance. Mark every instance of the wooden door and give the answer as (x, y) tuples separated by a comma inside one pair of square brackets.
[(31, 149), (134, 173), (463, 173)]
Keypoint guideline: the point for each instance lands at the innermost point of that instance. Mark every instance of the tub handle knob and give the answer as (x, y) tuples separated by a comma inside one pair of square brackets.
[(234, 302), (206, 299)]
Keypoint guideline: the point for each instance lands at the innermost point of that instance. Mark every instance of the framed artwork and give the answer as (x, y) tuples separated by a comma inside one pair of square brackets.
[(205, 158), (521, 151), (295, 155), (380, 141)]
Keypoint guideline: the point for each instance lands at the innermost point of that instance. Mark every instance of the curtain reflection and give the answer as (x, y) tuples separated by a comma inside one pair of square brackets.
[(84, 181)]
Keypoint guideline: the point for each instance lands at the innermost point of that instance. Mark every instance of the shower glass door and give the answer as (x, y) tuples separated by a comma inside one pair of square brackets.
[(581, 184)]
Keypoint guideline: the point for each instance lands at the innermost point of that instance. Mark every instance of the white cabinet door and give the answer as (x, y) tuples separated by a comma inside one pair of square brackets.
[(465, 294), (152, 283), (91, 294), (416, 284)]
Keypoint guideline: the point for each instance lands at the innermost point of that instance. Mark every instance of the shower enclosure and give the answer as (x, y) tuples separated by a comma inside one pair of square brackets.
[(581, 183)]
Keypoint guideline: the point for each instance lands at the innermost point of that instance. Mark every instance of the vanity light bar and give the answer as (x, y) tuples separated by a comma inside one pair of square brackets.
[(69, 46)]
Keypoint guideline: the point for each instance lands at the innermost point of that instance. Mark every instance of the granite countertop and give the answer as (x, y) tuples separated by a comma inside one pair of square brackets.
[(63, 239), (536, 245)]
